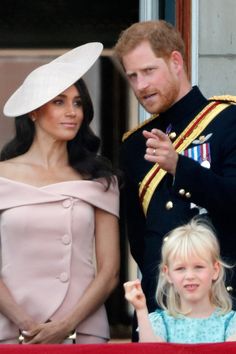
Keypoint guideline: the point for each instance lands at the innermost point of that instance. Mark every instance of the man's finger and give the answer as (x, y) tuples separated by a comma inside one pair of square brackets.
[(160, 134)]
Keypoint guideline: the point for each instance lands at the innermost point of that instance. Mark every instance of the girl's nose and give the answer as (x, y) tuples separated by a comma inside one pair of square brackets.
[(189, 274)]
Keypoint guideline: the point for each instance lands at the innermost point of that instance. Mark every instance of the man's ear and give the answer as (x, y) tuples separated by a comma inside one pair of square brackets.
[(177, 60)]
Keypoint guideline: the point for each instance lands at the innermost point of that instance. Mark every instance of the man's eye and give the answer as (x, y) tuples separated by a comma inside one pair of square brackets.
[(149, 70), (131, 76)]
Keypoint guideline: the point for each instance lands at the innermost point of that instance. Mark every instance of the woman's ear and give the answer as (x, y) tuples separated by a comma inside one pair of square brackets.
[(32, 116)]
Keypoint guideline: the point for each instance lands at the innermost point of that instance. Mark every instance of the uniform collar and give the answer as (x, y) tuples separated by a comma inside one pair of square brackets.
[(185, 108)]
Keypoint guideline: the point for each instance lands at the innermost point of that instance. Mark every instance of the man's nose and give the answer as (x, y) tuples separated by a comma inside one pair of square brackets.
[(142, 83)]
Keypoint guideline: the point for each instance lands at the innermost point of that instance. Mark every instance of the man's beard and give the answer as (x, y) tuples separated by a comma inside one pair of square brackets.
[(165, 99)]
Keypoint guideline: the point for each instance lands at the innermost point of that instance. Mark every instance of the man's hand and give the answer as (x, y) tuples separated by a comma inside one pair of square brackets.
[(160, 150)]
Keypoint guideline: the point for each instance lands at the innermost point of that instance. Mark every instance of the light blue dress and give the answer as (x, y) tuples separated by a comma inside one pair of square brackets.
[(215, 328)]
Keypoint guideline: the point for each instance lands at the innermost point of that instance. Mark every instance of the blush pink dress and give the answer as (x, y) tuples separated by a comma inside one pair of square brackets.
[(47, 248)]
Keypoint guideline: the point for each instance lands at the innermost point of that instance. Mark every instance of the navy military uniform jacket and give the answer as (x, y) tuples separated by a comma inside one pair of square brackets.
[(176, 201)]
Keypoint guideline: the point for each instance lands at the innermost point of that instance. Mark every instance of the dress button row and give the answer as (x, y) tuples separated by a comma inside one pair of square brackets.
[(66, 239), (64, 277), (67, 203)]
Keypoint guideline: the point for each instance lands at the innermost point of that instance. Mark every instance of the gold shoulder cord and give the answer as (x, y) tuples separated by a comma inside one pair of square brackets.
[(224, 98)]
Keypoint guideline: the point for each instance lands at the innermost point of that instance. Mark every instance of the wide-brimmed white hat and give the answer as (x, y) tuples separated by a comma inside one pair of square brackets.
[(49, 80)]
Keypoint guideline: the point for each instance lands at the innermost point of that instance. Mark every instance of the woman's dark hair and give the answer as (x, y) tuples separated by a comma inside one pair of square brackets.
[(82, 150)]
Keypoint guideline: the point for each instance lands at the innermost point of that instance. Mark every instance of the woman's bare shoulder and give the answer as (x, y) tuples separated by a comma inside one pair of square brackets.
[(9, 167)]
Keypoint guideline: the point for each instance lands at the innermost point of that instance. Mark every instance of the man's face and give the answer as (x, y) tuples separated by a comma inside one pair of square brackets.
[(154, 80)]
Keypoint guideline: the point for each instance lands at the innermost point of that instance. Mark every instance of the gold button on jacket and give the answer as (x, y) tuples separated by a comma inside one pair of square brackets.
[(169, 205)]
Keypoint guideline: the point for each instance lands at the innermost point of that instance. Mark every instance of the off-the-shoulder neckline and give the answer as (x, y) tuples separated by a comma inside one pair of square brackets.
[(50, 184)]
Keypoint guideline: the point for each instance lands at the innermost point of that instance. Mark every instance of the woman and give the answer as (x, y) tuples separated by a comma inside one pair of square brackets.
[(58, 198)]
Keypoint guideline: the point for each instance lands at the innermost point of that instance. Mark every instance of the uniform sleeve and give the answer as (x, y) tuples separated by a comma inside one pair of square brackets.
[(231, 327), (158, 324)]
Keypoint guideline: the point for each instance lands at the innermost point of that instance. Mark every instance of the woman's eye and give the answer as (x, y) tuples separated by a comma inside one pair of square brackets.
[(78, 103), (58, 101)]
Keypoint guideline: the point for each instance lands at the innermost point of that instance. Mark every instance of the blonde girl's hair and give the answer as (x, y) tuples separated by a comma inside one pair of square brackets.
[(198, 238)]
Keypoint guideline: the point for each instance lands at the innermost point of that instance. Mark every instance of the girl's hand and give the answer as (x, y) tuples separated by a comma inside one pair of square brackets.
[(134, 294)]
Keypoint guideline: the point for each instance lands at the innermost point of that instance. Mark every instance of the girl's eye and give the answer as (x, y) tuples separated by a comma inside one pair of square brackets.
[(179, 268), (199, 266)]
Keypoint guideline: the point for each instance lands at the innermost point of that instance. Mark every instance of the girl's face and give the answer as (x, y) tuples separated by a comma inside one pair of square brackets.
[(192, 279), (61, 117)]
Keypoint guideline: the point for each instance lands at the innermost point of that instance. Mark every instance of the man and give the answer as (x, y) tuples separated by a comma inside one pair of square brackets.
[(182, 161)]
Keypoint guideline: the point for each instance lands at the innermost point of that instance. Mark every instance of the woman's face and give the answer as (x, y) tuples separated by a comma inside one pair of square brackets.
[(60, 118)]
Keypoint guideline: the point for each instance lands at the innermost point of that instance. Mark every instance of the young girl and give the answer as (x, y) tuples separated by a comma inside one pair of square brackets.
[(196, 307)]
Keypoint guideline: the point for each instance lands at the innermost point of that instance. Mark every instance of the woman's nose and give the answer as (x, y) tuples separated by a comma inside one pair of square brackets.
[(70, 111)]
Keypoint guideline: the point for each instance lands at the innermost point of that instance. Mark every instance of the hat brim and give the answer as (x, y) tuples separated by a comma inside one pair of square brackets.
[(49, 80)]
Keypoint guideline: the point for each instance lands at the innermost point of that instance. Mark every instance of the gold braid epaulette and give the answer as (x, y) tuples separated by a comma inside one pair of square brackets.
[(223, 98), (129, 132)]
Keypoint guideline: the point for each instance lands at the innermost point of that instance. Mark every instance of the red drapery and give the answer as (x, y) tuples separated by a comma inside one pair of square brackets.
[(124, 348)]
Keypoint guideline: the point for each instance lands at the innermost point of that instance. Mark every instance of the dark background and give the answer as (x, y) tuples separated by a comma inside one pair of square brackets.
[(64, 23)]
